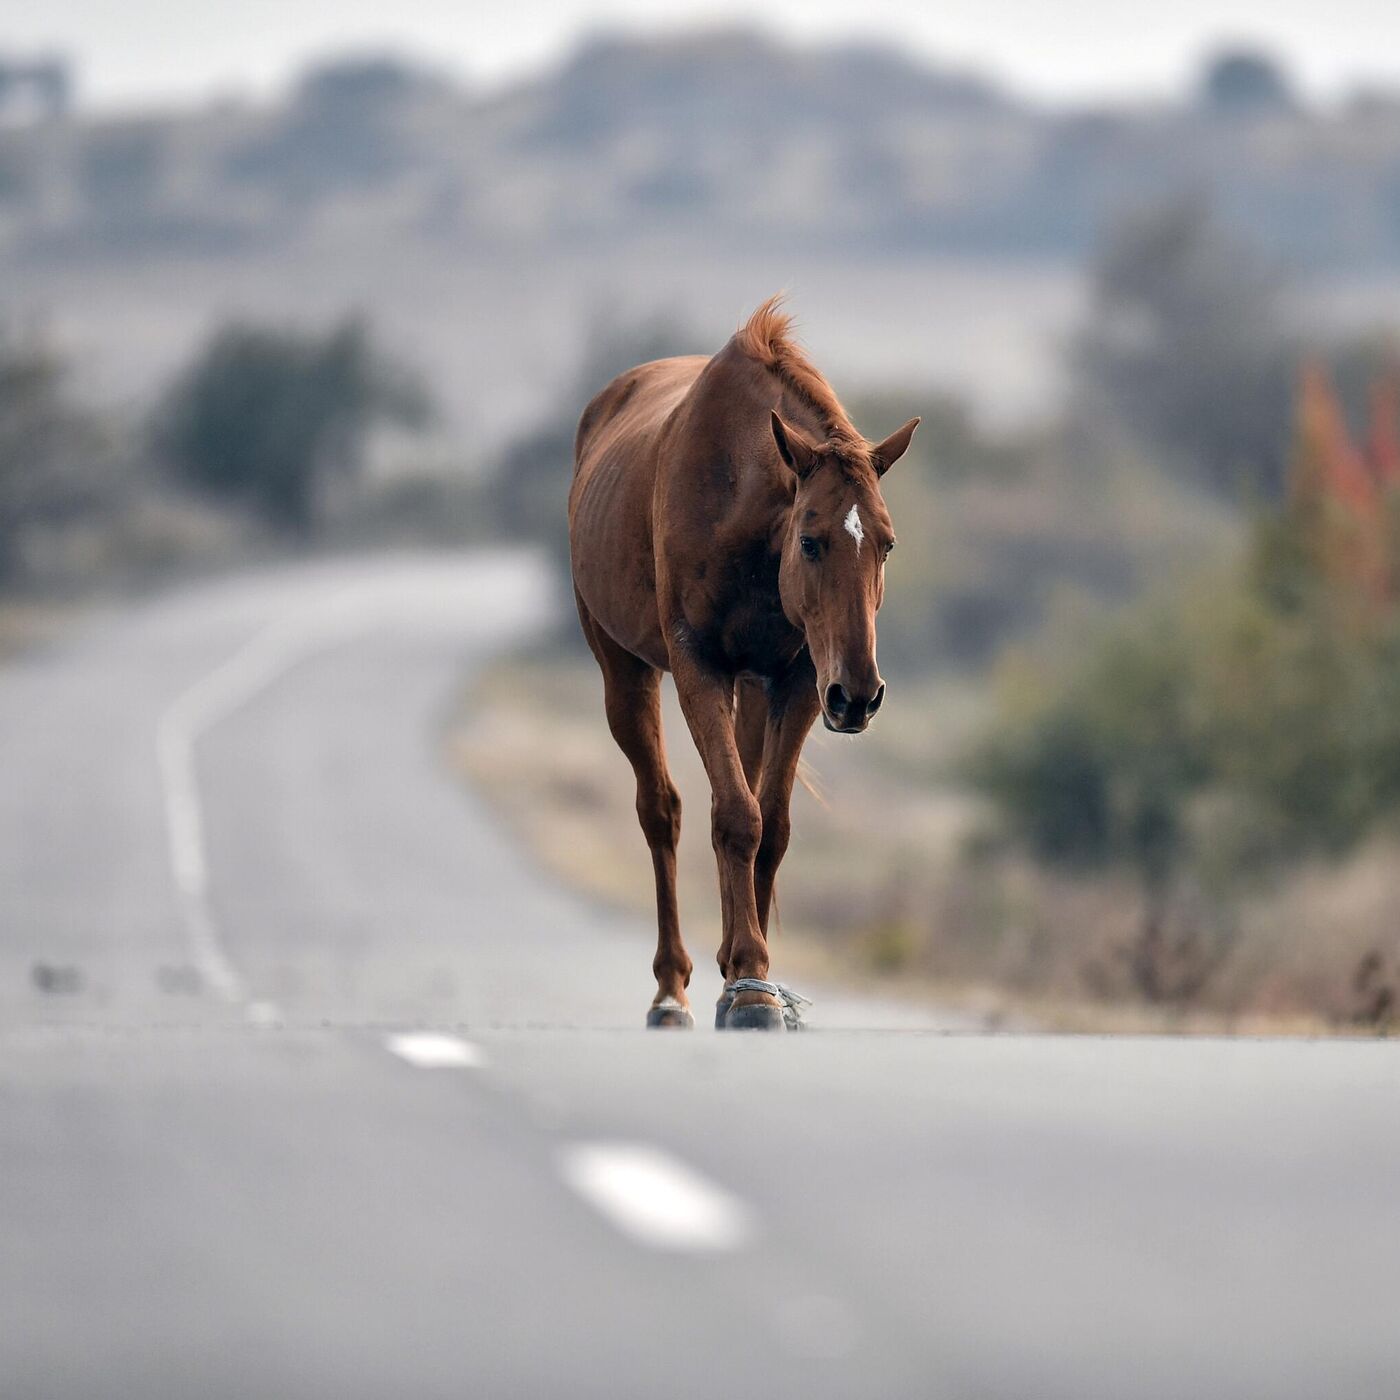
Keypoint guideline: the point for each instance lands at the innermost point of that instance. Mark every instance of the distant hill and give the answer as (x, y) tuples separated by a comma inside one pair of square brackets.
[(728, 138)]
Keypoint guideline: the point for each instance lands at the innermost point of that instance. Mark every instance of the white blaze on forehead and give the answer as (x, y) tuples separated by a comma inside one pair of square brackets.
[(852, 526)]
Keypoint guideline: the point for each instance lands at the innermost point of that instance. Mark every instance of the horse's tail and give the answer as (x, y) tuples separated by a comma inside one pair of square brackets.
[(807, 776)]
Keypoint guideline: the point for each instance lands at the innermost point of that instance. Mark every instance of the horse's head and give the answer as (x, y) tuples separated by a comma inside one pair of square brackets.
[(832, 575)]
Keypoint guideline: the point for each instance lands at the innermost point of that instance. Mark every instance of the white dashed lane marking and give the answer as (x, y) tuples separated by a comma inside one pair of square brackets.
[(655, 1199), (429, 1050)]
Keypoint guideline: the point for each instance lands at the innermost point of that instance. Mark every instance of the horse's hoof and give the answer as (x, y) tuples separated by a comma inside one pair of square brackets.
[(670, 1015), (785, 1005), (760, 1016)]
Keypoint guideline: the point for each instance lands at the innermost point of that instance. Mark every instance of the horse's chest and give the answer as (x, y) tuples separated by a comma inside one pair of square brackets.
[(748, 630), (757, 637)]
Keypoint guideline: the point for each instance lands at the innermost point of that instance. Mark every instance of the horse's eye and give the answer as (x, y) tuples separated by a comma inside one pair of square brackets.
[(889, 549), (810, 548)]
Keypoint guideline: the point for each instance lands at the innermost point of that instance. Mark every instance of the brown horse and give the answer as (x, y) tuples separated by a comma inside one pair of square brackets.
[(726, 525)]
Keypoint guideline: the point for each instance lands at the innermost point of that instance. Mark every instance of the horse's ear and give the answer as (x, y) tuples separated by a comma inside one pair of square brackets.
[(793, 448), (885, 454)]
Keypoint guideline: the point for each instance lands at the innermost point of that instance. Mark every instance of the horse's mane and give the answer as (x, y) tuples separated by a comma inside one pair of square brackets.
[(766, 337)]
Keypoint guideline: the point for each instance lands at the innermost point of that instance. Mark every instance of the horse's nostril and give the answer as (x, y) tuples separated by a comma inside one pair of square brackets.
[(838, 700), (876, 702)]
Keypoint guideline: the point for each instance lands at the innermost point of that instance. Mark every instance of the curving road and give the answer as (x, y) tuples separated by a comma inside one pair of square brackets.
[(310, 1086)]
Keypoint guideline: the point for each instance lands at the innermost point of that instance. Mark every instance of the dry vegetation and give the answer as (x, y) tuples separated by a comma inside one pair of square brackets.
[(531, 737), (26, 624), (891, 881)]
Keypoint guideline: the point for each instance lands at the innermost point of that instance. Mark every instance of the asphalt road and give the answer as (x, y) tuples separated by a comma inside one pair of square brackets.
[(310, 1086)]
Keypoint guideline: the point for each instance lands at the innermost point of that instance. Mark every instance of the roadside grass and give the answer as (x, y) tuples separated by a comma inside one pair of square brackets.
[(888, 884), (25, 624), (531, 737)]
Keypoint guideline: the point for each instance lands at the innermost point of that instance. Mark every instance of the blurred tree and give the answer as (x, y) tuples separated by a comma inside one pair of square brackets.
[(1246, 80), (121, 167), (267, 417), (37, 90), (355, 82), (53, 459), (344, 129), (1187, 342)]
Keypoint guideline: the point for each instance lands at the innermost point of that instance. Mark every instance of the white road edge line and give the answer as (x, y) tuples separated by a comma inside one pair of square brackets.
[(432, 1050), (654, 1198), (229, 686)]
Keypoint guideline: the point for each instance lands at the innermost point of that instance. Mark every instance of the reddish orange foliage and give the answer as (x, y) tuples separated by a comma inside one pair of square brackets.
[(1385, 430), (1345, 497)]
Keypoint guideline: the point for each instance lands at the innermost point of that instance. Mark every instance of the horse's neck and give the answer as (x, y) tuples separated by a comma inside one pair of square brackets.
[(764, 497), (800, 413), (740, 393)]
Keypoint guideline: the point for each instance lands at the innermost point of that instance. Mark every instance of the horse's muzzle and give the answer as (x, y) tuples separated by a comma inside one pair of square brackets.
[(844, 713)]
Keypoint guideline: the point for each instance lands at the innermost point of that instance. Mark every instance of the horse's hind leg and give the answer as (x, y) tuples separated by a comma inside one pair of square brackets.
[(632, 695)]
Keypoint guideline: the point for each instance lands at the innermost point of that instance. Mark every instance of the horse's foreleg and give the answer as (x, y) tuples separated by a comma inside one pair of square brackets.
[(736, 826), (793, 711)]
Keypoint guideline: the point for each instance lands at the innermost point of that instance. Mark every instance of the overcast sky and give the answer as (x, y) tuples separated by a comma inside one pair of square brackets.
[(133, 52)]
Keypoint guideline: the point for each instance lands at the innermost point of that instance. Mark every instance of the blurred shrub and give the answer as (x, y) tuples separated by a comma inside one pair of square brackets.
[(267, 418), (1097, 765), (1000, 531), (1205, 739), (56, 464)]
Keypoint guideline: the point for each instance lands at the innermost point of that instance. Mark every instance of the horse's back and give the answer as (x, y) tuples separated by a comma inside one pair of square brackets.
[(610, 503), (621, 417)]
